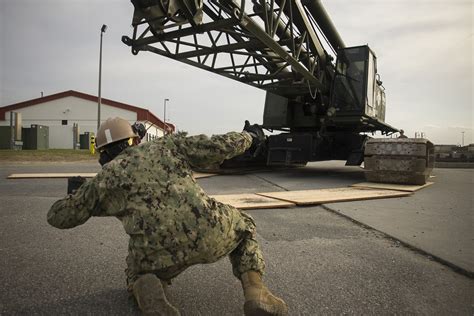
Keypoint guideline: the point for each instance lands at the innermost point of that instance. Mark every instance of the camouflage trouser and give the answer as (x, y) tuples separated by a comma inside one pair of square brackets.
[(221, 231)]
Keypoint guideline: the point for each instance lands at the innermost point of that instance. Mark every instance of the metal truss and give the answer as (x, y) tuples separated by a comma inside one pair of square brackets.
[(269, 44)]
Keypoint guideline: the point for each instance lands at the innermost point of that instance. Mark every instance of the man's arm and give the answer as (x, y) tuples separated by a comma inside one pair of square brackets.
[(204, 152), (75, 209)]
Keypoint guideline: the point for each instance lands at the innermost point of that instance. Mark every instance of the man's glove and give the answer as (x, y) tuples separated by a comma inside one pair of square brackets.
[(139, 129), (258, 137), (74, 183)]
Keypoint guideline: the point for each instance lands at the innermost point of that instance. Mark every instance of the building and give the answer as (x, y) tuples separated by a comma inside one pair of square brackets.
[(62, 111), (454, 153)]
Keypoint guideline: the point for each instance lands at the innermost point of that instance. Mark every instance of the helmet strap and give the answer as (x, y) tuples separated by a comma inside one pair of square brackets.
[(111, 151)]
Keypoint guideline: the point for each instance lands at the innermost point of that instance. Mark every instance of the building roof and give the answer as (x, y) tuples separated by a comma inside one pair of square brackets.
[(142, 114)]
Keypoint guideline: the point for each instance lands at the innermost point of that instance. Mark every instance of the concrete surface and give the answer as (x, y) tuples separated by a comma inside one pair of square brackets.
[(438, 219), (461, 165), (317, 260)]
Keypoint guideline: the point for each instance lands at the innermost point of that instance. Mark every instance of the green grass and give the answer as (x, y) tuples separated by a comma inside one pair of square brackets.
[(47, 155)]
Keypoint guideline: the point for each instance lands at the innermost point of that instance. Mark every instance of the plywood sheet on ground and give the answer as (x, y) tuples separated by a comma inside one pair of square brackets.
[(322, 196), (50, 175), (390, 186), (251, 201), (196, 175)]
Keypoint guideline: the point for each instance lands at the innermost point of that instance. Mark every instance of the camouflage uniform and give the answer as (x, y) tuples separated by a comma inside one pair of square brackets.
[(171, 221)]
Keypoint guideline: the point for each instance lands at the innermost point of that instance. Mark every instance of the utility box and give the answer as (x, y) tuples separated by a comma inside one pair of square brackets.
[(5, 137), (36, 137), (85, 140), (7, 140)]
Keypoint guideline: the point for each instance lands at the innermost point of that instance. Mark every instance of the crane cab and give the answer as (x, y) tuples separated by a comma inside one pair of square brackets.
[(357, 90)]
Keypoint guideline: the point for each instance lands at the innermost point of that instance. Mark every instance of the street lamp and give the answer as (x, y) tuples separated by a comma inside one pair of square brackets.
[(102, 31), (462, 139), (164, 116)]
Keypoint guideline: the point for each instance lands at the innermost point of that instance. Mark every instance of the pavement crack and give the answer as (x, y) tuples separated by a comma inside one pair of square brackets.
[(270, 182)]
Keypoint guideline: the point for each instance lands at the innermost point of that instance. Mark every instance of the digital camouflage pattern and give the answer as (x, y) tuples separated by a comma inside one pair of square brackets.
[(171, 221)]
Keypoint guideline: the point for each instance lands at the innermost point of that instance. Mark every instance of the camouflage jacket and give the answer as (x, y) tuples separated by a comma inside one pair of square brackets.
[(150, 187)]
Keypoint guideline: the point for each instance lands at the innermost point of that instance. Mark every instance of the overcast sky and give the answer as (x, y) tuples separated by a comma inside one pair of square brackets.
[(424, 50)]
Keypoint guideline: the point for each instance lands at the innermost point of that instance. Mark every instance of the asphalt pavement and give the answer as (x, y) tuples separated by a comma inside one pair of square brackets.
[(409, 255)]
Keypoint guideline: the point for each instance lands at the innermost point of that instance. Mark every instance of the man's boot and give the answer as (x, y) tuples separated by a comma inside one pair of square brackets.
[(259, 300), (151, 298)]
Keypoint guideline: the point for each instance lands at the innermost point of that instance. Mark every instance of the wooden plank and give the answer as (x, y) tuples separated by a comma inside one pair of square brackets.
[(250, 201), (321, 196), (50, 175), (391, 186), (197, 175)]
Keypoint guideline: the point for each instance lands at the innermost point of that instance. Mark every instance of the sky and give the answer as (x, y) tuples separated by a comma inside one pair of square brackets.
[(424, 52)]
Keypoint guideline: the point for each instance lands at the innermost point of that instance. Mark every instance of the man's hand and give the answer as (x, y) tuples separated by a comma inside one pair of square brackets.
[(258, 137), (74, 183)]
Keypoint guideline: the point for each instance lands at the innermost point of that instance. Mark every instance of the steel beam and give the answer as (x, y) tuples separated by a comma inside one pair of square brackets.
[(252, 27)]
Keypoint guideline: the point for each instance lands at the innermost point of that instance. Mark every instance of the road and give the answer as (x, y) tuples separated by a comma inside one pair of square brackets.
[(409, 255)]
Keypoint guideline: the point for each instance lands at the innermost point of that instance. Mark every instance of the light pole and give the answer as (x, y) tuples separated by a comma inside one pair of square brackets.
[(102, 31), (462, 139), (164, 116)]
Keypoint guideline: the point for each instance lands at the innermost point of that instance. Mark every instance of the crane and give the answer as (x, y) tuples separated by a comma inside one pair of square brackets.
[(322, 96)]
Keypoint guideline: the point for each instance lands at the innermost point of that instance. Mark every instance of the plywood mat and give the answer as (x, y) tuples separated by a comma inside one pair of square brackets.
[(50, 175), (321, 196), (389, 186), (197, 175), (251, 201)]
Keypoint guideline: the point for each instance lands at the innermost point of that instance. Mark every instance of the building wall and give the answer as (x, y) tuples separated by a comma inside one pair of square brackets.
[(444, 148), (73, 110), (152, 131)]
